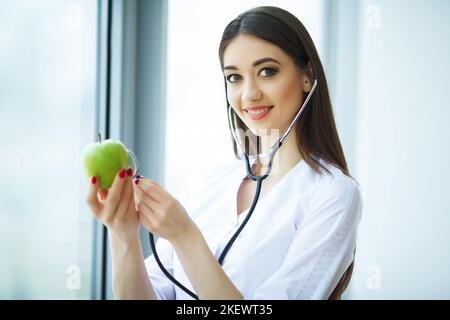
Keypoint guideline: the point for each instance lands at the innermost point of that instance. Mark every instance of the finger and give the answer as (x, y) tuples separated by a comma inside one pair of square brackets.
[(152, 188), (103, 193), (146, 222), (131, 210), (115, 192), (91, 197), (126, 197), (148, 212), (135, 191), (142, 197)]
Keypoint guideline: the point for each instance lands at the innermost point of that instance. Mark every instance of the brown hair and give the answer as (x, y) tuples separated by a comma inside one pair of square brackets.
[(316, 127)]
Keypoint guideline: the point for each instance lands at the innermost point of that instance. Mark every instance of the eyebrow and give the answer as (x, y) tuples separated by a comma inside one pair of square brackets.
[(256, 63)]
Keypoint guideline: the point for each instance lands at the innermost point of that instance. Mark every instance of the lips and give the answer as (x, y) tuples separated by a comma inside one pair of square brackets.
[(259, 112), (255, 108)]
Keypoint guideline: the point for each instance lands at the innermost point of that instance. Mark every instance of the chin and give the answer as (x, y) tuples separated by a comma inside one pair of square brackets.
[(264, 131)]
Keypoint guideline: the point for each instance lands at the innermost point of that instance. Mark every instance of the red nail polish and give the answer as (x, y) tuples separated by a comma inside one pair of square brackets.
[(122, 173), (94, 179), (136, 181), (130, 172)]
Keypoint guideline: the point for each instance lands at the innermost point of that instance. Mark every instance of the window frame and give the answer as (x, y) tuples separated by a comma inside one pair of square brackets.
[(130, 101)]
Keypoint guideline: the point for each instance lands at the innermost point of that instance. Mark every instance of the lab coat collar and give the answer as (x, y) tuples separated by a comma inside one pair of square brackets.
[(242, 167)]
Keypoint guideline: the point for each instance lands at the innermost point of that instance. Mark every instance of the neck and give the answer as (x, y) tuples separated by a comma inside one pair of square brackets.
[(285, 158)]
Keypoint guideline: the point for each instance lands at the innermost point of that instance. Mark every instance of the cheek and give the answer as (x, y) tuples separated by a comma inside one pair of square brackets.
[(233, 99), (288, 93), (289, 97)]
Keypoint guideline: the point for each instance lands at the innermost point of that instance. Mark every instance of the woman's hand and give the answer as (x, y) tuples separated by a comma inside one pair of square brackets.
[(160, 213), (114, 207)]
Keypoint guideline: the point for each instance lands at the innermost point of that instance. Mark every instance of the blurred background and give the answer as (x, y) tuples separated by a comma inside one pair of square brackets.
[(145, 72)]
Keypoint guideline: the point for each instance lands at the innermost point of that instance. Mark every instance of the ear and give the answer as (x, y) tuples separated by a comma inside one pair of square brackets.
[(308, 78), (307, 85)]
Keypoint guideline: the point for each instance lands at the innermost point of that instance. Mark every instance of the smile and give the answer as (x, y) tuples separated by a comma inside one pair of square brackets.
[(259, 114)]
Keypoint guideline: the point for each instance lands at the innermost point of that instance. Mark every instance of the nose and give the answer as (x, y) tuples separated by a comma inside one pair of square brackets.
[(250, 92)]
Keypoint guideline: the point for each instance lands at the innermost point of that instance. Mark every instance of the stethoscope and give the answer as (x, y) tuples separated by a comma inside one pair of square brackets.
[(259, 179)]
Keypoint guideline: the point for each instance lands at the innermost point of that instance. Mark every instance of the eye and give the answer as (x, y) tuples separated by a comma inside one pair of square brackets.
[(229, 78), (272, 71)]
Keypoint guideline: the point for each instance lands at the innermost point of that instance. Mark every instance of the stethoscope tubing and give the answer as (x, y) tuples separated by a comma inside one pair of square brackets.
[(258, 179)]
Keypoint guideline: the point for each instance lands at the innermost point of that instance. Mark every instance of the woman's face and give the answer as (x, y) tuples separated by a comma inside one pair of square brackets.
[(277, 84)]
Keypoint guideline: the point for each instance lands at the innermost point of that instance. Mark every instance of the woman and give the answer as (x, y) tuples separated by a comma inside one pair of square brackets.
[(300, 242)]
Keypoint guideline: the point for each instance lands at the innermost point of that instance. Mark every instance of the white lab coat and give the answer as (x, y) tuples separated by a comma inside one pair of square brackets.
[(297, 244)]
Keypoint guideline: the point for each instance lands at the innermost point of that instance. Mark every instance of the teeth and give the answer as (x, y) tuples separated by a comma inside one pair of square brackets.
[(258, 111)]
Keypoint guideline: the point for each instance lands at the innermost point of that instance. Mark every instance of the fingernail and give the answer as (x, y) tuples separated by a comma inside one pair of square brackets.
[(130, 172), (122, 173), (94, 179), (136, 181)]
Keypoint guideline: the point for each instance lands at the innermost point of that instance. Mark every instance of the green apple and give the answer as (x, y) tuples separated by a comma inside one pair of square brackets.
[(104, 159)]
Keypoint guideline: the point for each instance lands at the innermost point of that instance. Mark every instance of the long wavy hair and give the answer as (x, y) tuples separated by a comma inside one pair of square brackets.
[(316, 127)]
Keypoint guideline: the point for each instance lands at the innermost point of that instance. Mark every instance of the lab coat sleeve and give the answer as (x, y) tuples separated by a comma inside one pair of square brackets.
[(322, 248), (163, 287)]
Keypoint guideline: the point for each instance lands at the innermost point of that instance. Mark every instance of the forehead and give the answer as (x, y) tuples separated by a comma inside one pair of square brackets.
[(243, 50)]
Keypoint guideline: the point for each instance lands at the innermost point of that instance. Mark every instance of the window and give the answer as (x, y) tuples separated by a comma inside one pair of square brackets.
[(47, 114)]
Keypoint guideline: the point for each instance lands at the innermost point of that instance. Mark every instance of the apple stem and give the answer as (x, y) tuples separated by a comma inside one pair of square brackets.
[(99, 137)]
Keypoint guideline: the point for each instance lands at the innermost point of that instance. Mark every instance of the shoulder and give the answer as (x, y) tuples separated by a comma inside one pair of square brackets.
[(335, 179), (335, 190)]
